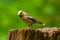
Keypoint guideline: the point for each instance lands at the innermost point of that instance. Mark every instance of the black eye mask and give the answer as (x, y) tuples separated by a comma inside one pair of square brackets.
[(20, 15)]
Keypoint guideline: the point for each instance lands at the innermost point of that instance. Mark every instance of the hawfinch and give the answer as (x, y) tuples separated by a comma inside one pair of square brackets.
[(28, 19)]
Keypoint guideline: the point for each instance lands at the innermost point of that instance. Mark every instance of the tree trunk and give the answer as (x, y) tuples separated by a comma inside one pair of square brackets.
[(37, 34)]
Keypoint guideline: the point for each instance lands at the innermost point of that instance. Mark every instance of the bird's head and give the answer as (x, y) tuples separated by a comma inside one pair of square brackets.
[(20, 13)]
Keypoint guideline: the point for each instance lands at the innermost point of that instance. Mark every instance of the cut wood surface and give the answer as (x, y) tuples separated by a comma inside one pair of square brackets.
[(36, 34)]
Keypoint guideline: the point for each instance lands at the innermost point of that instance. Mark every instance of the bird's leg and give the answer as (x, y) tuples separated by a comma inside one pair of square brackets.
[(30, 26)]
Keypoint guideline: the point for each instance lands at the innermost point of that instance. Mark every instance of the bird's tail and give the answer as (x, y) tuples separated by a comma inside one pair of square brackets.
[(41, 23)]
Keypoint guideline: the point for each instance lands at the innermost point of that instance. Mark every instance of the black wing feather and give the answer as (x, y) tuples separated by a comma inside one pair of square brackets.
[(32, 19)]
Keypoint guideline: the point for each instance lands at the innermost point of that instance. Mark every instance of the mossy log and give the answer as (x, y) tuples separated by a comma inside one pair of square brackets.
[(37, 34)]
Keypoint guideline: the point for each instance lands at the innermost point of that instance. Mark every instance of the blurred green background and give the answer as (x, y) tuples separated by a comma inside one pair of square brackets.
[(47, 11)]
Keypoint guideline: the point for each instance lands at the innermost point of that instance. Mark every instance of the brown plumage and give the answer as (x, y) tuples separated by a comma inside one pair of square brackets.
[(28, 19)]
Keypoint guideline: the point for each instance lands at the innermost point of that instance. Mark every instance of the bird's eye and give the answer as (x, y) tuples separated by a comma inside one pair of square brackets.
[(20, 15)]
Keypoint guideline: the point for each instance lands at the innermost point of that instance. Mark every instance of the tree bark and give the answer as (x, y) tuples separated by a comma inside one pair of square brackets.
[(37, 34)]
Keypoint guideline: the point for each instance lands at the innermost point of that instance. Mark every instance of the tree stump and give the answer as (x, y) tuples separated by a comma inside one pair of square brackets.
[(37, 34)]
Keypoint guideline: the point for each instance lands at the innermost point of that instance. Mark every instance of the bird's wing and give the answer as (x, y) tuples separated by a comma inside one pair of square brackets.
[(32, 19)]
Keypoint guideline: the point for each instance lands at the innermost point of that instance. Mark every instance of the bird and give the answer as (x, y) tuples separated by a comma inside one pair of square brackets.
[(28, 19)]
